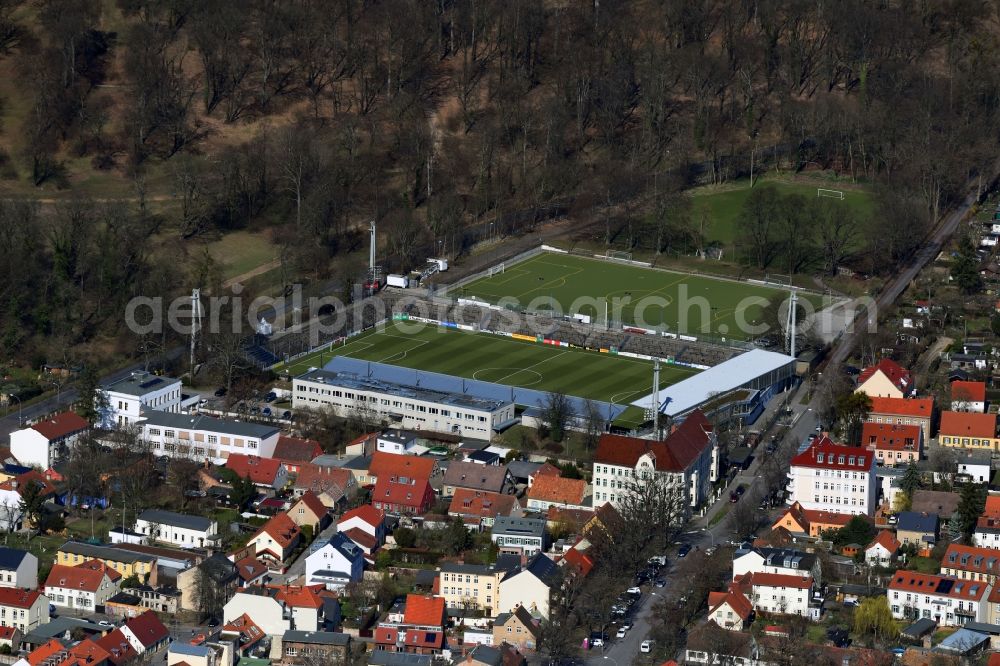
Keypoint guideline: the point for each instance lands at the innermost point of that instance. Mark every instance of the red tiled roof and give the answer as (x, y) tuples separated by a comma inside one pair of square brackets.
[(992, 508), (362, 538), (826, 517), (736, 600), (392, 464), (76, 578), (887, 540), (97, 565), (894, 372), (44, 651), (558, 489), (575, 518), (963, 391), (88, 651), (547, 469), (36, 477), (17, 598), (945, 586), (781, 580), (972, 558), (260, 470), (7, 632), (296, 449), (365, 512), (402, 494), (420, 638), (250, 569), (148, 629), (918, 407), (890, 436), (311, 502), (480, 503), (61, 425), (425, 611), (281, 529), (299, 596), (674, 454), (248, 630), (968, 424), (824, 453), (320, 480), (117, 646), (579, 560)]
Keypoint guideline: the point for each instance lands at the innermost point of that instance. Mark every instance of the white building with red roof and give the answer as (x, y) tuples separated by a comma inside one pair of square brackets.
[(967, 396), (687, 457), (885, 379), (780, 593), (79, 588), (48, 441), (946, 600), (266, 473), (832, 477), (364, 519), (730, 609), (24, 610), (293, 452), (882, 551), (145, 632), (276, 540)]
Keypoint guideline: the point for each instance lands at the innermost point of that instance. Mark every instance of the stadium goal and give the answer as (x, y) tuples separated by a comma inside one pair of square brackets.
[(829, 194), (496, 270), (618, 255)]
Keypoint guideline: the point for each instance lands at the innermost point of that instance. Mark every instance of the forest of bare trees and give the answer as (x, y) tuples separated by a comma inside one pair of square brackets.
[(440, 117)]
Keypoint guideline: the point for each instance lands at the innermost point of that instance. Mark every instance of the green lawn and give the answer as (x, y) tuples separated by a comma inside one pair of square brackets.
[(241, 251), (721, 205), (502, 360), (676, 302)]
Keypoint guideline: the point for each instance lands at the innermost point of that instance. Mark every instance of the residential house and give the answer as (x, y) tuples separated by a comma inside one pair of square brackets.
[(971, 563), (18, 568), (246, 635), (528, 586), (124, 604), (975, 466), (399, 466), (402, 494), (545, 469), (903, 411), (946, 600), (893, 444), (49, 441), (252, 572), (277, 608), (784, 561), (883, 549), (520, 536), (810, 522), (479, 509), (421, 630), (81, 587), (780, 593), (987, 531), (206, 438), (267, 473), (517, 628), (216, 572), (305, 648), (474, 586), (885, 379), (180, 529), (557, 491), (365, 526), (333, 485), (24, 610), (164, 599), (309, 510), (687, 459), (471, 476), (276, 540), (293, 452), (335, 563), (918, 529), (363, 445), (967, 396), (119, 650), (125, 400), (833, 477), (128, 563), (969, 430), (145, 633), (730, 609), (402, 442), (943, 503)]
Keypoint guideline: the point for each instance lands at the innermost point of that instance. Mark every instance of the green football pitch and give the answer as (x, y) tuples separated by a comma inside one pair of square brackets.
[(676, 302), (502, 360)]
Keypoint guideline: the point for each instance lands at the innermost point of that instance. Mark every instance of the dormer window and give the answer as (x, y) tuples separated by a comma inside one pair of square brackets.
[(819, 457), (840, 460)]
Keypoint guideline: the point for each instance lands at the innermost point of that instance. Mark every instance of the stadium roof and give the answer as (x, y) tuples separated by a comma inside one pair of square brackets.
[(730, 375)]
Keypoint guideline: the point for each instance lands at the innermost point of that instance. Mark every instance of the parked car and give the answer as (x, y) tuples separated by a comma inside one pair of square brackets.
[(684, 550), (266, 411), (646, 646), (628, 624), (621, 632), (221, 391), (271, 397), (287, 415), (597, 642), (659, 582)]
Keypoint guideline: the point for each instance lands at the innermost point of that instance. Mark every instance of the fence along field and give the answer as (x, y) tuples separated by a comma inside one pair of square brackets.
[(566, 278), (502, 360)]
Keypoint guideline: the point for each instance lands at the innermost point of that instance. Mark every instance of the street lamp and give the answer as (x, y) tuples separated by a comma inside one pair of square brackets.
[(710, 535), (58, 389)]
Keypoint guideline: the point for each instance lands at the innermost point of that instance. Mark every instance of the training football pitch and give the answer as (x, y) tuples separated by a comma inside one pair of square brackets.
[(502, 360), (676, 302)]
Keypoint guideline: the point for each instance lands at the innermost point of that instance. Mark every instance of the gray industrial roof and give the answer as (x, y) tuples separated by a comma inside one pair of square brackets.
[(139, 384), (507, 525), (387, 658), (316, 637), (105, 552), (173, 519), (727, 376), (200, 422), (359, 383)]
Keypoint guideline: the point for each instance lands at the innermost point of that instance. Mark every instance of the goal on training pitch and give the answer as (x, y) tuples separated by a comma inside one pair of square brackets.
[(619, 255), (496, 270), (830, 194)]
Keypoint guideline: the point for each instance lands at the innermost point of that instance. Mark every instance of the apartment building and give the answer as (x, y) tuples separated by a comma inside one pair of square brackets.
[(205, 438), (833, 477)]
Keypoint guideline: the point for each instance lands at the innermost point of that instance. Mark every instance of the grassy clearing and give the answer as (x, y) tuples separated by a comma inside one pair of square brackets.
[(241, 251), (502, 360)]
